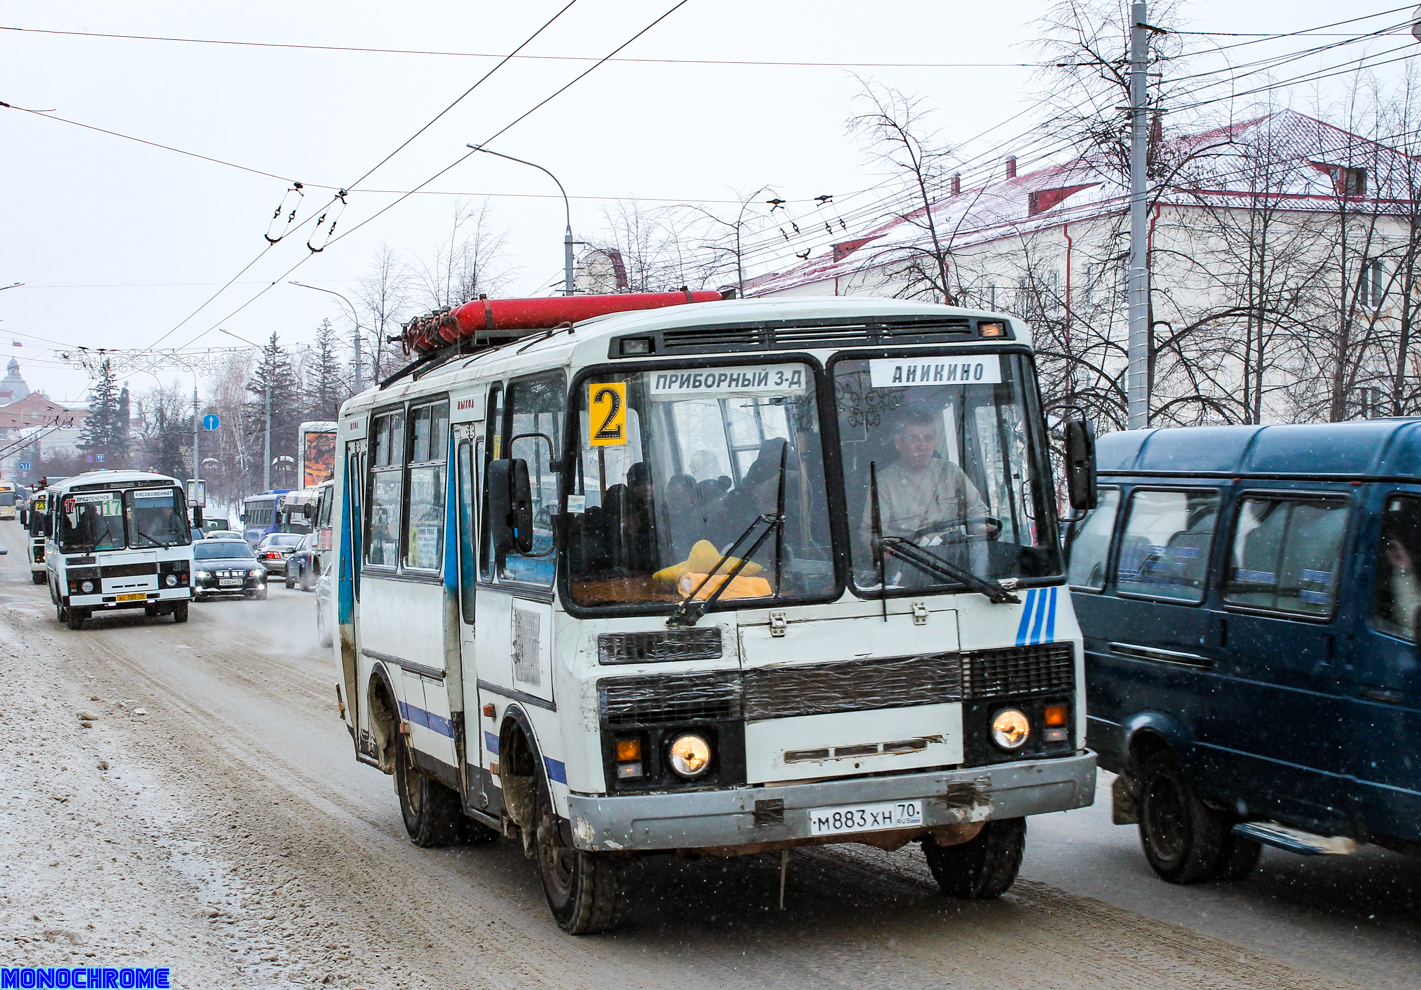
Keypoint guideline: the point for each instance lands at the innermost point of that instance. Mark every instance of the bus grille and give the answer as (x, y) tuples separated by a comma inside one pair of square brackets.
[(842, 686), (677, 698), (854, 685), (1020, 670)]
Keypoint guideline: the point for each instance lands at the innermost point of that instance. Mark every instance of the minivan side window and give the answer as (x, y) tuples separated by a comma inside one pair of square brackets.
[(1164, 549), (1286, 554), (1090, 543), (1396, 593)]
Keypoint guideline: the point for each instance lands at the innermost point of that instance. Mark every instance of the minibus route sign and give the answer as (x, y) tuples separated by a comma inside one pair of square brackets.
[(607, 414), (953, 370), (777, 379)]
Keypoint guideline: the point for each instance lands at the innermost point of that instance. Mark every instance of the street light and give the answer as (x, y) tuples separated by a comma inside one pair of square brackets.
[(266, 454), (359, 380), (567, 209)]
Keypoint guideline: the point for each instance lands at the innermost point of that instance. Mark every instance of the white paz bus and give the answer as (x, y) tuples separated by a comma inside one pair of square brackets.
[(721, 579), (117, 540)]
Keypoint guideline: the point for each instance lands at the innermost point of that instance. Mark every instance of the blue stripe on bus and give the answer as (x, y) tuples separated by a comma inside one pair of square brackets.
[(1038, 621), (451, 522), (557, 770), (1051, 618), (1025, 626), (431, 721), (491, 743)]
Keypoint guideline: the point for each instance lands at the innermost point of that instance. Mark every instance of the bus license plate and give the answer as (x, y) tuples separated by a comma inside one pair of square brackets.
[(132, 598), (865, 817)]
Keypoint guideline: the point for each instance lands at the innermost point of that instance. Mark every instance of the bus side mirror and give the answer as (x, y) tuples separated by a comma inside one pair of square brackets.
[(1080, 465), (510, 506)]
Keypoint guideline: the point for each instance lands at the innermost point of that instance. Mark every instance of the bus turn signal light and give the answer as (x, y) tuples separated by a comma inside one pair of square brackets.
[(1055, 715), (628, 749)]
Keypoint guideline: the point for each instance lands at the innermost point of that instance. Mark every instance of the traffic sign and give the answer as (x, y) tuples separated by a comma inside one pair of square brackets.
[(211, 422), (24, 465)]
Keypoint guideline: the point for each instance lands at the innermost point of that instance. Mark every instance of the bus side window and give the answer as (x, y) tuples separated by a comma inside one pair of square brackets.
[(387, 464), (467, 488), (536, 405)]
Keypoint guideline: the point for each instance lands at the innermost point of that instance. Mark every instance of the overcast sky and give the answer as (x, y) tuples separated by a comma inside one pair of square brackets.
[(118, 243)]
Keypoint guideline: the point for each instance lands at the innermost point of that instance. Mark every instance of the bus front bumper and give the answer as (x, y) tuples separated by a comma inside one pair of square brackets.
[(750, 816)]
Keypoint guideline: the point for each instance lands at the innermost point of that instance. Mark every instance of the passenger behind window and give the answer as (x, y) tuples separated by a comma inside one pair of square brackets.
[(1397, 592)]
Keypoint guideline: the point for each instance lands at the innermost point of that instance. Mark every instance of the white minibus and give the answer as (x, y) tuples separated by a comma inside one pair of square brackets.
[(715, 578)]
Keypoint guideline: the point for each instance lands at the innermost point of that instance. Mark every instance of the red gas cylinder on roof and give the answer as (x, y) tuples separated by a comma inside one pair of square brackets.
[(487, 321)]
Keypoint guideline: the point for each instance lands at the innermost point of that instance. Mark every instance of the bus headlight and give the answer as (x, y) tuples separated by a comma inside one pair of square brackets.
[(690, 755), (171, 580), (87, 587), (1010, 728)]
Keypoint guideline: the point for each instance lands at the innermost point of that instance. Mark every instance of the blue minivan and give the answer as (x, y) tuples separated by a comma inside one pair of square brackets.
[(1249, 599)]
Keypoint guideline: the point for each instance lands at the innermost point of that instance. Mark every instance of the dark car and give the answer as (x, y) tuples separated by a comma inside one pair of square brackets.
[(1249, 598), (276, 548), (304, 566), (226, 567)]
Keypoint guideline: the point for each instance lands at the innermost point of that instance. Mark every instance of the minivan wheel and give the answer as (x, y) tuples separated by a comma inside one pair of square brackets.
[(1238, 858), (984, 868), (584, 890), (1183, 838)]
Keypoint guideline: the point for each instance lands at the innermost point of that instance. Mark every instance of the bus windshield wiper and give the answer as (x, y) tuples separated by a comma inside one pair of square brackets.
[(155, 541), (686, 614), (911, 553)]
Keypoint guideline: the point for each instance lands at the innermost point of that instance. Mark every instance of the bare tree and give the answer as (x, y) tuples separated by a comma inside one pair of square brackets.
[(649, 249), (470, 261), (898, 136), (384, 295)]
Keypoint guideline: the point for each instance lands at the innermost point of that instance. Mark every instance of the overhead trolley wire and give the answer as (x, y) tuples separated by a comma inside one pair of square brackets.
[(462, 158), (340, 194)]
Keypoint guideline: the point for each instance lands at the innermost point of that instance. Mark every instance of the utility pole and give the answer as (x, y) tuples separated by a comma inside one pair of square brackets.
[(196, 463), (1137, 377), (266, 455)]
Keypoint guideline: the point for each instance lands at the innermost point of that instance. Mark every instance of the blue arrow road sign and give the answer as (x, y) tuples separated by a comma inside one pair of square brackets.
[(211, 422)]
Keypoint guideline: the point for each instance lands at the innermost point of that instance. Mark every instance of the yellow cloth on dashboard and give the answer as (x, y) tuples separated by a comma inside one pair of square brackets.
[(740, 587), (701, 559)]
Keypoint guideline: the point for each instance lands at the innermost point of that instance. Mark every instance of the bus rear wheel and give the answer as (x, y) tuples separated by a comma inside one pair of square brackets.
[(584, 890), (984, 868), (430, 810), (37, 577)]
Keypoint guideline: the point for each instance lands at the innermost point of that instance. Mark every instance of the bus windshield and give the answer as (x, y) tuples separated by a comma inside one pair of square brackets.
[(91, 521), (679, 467), (945, 471), (7, 497), (157, 518)]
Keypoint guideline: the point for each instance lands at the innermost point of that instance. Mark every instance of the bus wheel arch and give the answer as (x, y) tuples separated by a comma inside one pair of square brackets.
[(385, 719), (518, 772)]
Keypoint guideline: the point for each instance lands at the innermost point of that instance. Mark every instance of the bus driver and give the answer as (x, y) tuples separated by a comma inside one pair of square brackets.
[(920, 489)]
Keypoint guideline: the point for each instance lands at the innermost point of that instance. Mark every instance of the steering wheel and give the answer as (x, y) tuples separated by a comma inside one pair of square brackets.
[(947, 527)]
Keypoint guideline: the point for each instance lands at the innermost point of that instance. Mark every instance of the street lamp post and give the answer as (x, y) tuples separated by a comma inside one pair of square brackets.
[(567, 210), (359, 379)]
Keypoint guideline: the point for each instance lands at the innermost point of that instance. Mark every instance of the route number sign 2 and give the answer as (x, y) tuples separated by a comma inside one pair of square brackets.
[(607, 414)]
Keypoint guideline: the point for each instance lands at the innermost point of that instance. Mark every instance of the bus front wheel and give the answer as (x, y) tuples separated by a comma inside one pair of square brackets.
[(584, 890), (180, 612), (983, 868), (74, 617), (37, 577)]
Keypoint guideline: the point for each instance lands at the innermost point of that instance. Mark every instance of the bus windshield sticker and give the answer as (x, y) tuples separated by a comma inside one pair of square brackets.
[(607, 414), (955, 370), (153, 493), (775, 379)]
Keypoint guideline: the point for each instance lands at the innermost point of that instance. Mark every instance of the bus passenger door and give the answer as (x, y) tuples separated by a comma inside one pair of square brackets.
[(480, 750)]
